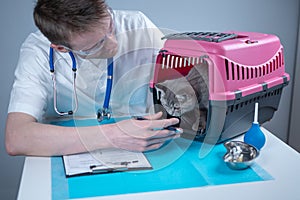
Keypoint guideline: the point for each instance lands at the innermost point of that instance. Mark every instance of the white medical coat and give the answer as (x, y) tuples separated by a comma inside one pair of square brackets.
[(139, 41)]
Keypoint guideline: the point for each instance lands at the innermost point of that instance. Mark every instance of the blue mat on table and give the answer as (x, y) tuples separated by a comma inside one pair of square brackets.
[(175, 165)]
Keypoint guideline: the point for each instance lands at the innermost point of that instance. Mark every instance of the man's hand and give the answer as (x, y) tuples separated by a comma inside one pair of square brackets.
[(142, 135)]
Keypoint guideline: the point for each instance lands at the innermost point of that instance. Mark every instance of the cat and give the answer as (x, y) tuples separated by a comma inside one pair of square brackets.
[(187, 97)]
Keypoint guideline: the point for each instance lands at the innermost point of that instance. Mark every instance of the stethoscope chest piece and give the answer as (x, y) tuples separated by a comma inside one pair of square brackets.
[(103, 114)]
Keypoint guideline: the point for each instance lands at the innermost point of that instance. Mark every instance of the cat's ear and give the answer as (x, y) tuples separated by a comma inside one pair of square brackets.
[(159, 91), (160, 87)]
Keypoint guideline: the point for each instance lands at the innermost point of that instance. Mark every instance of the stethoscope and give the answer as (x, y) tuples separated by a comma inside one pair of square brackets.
[(102, 113)]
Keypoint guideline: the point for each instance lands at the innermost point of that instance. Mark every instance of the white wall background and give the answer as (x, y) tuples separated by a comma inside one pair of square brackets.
[(278, 17)]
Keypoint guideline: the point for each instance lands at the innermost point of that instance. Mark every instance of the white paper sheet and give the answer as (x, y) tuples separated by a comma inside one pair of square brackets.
[(103, 161)]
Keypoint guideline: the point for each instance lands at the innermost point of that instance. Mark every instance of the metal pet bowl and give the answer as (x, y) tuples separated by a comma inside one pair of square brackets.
[(239, 155)]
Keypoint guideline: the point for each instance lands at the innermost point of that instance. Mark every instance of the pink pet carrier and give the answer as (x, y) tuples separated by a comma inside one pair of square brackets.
[(242, 68)]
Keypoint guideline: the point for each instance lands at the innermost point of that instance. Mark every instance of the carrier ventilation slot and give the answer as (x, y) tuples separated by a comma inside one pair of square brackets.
[(236, 107), (174, 62), (240, 72), (204, 36)]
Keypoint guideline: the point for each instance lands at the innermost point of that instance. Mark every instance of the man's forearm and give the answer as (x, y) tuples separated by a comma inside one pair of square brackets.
[(25, 136)]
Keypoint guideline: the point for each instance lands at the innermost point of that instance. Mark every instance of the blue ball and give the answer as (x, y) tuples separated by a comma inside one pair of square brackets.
[(255, 136)]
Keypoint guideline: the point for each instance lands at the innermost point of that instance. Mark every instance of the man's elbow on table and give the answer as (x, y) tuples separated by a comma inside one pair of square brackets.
[(10, 145), (14, 140)]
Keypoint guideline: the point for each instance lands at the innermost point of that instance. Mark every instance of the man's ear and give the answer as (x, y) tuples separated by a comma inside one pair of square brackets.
[(59, 48)]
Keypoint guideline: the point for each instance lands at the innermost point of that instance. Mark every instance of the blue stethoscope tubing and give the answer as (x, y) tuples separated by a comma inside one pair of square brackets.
[(109, 82), (52, 71), (51, 60), (105, 112), (101, 113)]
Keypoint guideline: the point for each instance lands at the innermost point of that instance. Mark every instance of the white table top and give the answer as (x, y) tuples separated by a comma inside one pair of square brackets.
[(277, 158)]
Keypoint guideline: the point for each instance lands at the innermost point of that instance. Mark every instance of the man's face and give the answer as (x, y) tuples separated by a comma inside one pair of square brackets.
[(98, 43)]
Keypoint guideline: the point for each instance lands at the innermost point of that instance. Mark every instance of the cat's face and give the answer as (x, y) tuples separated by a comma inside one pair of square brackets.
[(187, 97), (177, 96)]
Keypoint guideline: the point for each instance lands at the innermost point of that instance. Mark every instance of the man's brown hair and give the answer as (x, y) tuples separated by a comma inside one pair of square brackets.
[(58, 20)]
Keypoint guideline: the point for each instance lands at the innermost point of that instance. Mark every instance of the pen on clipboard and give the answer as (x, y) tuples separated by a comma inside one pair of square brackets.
[(119, 166), (170, 128), (99, 169)]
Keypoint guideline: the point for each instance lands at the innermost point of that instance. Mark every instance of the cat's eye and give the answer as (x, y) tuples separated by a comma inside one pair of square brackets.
[(176, 105)]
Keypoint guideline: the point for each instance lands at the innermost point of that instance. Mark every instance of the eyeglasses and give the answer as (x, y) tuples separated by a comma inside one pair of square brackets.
[(99, 45)]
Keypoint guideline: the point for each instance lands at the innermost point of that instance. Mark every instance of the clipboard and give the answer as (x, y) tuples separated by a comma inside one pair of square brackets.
[(104, 161)]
